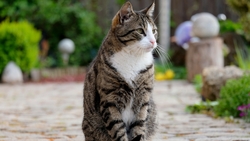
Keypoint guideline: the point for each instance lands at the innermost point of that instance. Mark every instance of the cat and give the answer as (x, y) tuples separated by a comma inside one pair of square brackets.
[(118, 102)]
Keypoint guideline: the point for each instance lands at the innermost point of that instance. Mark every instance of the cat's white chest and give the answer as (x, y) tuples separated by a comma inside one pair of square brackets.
[(129, 65)]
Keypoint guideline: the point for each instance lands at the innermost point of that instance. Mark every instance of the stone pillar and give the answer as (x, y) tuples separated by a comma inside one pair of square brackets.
[(206, 53)]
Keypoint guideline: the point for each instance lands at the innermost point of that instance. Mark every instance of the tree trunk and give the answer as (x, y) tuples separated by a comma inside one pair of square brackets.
[(206, 53), (164, 24)]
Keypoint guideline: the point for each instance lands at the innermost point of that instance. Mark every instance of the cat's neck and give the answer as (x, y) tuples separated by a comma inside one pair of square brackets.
[(129, 65), (111, 44)]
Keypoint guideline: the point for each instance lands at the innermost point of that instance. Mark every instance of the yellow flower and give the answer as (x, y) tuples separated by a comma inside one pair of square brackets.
[(160, 76), (169, 74)]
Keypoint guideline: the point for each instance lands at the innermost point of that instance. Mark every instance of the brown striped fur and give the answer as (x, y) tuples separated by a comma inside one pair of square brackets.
[(107, 93)]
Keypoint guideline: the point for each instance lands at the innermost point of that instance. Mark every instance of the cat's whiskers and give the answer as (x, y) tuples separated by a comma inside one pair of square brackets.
[(164, 59), (139, 50), (161, 56), (156, 16), (162, 53)]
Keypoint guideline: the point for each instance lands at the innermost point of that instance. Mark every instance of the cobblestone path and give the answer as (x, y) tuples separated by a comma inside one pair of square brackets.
[(53, 112)]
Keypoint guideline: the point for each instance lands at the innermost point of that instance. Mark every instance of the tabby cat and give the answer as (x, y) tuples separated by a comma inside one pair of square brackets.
[(118, 103)]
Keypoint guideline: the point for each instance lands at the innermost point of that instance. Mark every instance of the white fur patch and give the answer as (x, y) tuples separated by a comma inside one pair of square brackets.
[(129, 65), (128, 115)]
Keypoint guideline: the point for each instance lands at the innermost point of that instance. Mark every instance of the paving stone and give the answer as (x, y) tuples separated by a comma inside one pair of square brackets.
[(230, 130), (177, 139), (222, 139)]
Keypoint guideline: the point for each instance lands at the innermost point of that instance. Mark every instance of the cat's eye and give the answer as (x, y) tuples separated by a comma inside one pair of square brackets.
[(140, 31), (154, 31)]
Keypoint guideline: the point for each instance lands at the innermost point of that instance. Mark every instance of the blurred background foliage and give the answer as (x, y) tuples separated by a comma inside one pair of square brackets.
[(230, 26), (58, 19), (243, 9), (18, 43)]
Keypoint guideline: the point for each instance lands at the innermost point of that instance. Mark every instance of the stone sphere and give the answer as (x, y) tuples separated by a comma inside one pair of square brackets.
[(183, 33), (222, 17), (205, 25), (66, 46)]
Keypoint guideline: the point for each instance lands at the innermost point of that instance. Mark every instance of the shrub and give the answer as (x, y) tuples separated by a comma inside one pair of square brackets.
[(230, 26), (234, 94), (19, 43), (59, 19)]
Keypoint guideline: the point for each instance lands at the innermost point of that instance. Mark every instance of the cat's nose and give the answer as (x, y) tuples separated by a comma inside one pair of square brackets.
[(152, 42)]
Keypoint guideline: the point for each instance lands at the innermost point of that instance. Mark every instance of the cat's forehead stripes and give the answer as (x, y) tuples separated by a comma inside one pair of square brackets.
[(143, 20)]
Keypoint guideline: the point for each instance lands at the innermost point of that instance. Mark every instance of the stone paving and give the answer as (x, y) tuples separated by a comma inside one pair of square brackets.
[(53, 112)]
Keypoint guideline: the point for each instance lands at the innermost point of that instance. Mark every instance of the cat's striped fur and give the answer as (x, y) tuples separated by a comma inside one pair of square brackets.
[(118, 103)]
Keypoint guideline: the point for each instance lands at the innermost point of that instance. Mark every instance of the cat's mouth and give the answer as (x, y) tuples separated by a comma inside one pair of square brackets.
[(151, 48)]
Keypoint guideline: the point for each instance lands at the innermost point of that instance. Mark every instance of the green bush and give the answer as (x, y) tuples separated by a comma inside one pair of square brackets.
[(59, 19), (234, 94), (230, 26), (19, 43)]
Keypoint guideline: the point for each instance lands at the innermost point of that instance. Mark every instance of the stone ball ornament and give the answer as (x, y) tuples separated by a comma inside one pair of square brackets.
[(66, 47), (205, 25), (222, 17)]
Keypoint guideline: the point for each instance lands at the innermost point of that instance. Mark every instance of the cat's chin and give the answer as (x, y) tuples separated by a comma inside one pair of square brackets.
[(149, 49)]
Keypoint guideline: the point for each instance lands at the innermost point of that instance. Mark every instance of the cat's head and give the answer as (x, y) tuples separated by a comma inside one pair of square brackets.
[(135, 29)]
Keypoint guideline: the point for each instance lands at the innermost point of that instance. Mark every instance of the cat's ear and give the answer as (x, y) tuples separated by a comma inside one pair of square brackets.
[(124, 14), (150, 10)]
